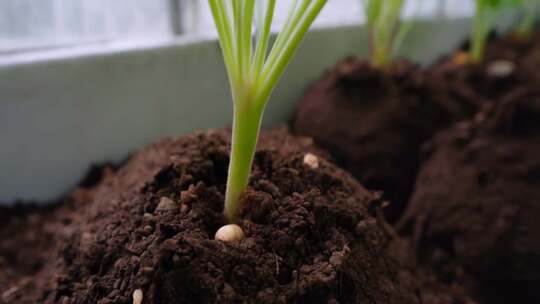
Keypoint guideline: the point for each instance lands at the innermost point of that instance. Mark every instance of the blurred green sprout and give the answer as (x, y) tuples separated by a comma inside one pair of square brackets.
[(528, 14), (487, 12), (386, 29)]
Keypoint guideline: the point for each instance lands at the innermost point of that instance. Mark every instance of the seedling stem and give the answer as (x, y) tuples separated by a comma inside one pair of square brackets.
[(385, 29), (254, 73), (487, 12)]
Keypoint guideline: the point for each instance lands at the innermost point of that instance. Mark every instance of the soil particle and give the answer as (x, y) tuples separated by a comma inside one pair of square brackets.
[(165, 205), (475, 209), (305, 241)]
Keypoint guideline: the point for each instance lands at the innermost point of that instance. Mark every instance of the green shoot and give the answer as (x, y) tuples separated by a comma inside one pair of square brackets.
[(384, 25), (487, 12), (254, 70), (529, 10)]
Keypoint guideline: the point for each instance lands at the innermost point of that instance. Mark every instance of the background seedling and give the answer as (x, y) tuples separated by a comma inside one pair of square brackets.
[(254, 72), (386, 29), (529, 11), (487, 12)]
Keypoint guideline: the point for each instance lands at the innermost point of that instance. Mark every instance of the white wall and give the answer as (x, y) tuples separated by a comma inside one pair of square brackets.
[(31, 24), (59, 115), (63, 110)]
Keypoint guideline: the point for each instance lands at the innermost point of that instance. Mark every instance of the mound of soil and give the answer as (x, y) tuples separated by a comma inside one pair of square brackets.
[(476, 204), (374, 121), (510, 63), (524, 51), (314, 235), (531, 61), (27, 242), (510, 47)]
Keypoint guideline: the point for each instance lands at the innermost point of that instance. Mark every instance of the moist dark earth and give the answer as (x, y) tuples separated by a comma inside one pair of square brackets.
[(477, 201), (374, 121), (314, 235), (366, 119)]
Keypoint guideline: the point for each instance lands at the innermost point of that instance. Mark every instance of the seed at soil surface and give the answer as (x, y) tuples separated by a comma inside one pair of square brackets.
[(230, 233), (137, 296), (311, 160), (165, 204), (501, 68)]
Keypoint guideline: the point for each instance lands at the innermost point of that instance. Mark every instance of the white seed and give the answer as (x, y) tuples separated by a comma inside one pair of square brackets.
[(230, 233), (311, 160), (137, 296), (501, 68)]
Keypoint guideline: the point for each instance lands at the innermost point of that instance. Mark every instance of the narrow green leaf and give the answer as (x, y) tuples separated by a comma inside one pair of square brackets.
[(253, 75), (384, 25), (263, 39)]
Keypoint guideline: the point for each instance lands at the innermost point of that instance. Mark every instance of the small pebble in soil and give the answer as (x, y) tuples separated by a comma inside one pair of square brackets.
[(311, 160), (137, 296), (230, 233), (148, 218), (501, 68), (165, 204)]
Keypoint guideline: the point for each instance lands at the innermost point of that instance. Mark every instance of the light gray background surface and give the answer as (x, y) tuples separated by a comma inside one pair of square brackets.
[(60, 114)]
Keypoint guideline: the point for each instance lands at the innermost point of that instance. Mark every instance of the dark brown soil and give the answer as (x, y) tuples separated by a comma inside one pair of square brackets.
[(524, 51), (471, 83), (510, 47), (27, 242), (510, 63), (374, 121), (476, 206), (313, 235)]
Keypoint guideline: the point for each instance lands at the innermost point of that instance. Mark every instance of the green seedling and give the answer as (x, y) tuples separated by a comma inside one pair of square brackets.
[(386, 29), (529, 11), (487, 12), (254, 69)]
